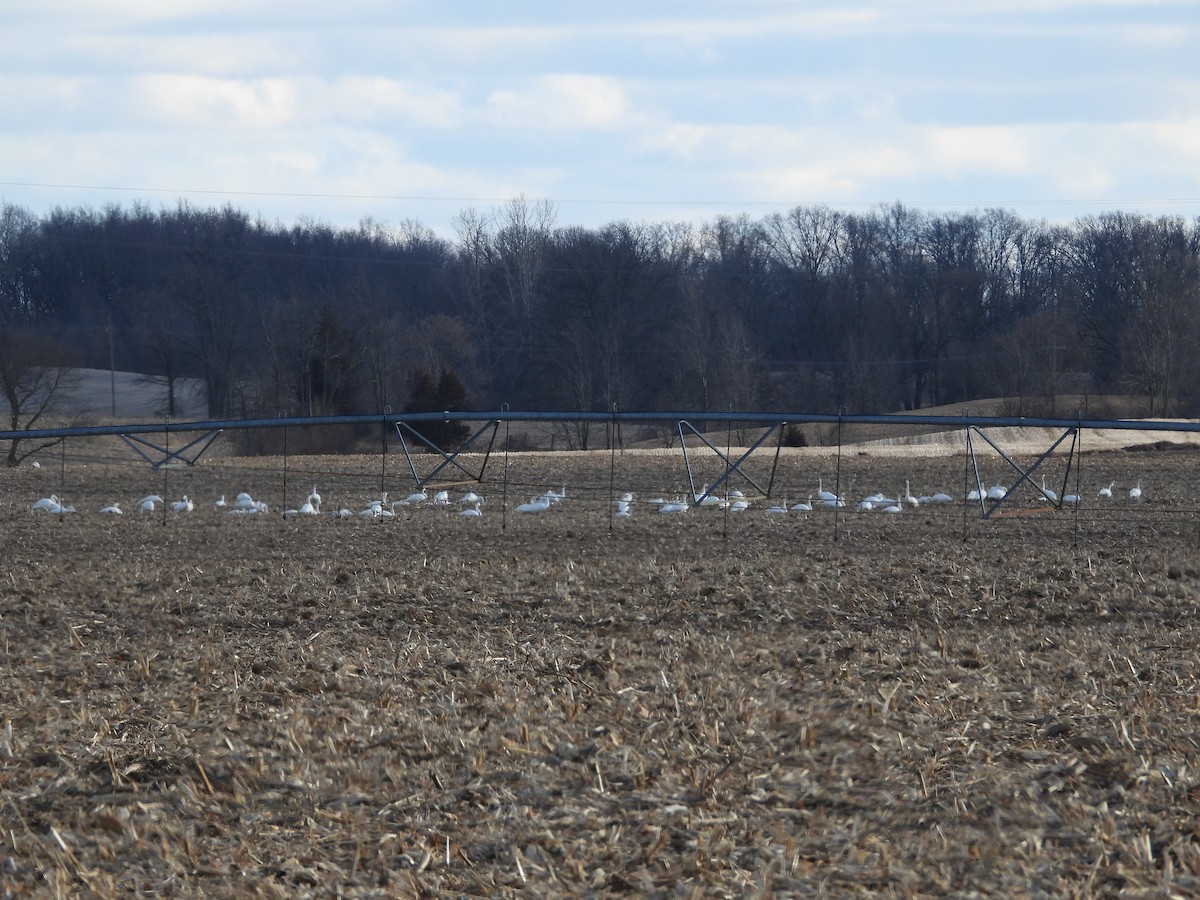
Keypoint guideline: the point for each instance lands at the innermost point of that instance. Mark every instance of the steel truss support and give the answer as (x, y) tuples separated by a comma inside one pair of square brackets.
[(165, 456), (731, 466), (448, 459), (986, 507)]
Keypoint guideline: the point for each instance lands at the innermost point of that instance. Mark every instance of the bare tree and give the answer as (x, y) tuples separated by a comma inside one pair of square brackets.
[(30, 388)]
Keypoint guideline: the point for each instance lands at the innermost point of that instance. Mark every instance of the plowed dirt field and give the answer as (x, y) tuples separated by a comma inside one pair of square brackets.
[(571, 704)]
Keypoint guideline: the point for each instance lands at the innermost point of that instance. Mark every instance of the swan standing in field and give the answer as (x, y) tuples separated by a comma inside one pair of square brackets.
[(908, 497), (1106, 492), (416, 498), (441, 498), (219, 503), (470, 497), (149, 502), (997, 492), (828, 498), (1049, 494), (1135, 493), (184, 505)]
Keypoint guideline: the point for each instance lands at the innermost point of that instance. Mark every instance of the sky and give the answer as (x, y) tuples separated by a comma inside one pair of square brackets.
[(667, 111)]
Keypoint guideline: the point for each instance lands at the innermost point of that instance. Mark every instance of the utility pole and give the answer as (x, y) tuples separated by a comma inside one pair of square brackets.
[(112, 369)]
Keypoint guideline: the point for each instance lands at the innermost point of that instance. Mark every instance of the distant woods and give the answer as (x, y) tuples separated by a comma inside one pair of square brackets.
[(810, 309)]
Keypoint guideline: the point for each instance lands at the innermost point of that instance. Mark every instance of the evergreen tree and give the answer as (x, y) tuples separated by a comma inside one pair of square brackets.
[(446, 394)]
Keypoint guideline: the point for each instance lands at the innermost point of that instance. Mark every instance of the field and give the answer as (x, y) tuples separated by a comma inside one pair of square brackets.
[(568, 704)]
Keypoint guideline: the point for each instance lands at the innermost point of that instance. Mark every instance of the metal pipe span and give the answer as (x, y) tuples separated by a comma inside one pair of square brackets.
[(749, 418)]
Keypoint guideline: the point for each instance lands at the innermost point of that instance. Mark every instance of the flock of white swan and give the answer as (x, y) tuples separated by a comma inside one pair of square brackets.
[(471, 504)]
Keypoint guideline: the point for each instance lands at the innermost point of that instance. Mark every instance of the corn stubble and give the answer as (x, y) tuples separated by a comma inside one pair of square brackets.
[(570, 706)]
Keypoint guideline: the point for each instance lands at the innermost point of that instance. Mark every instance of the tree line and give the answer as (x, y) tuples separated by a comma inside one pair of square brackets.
[(810, 309)]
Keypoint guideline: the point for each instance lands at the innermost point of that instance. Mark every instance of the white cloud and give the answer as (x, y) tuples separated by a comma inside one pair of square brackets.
[(558, 103), (204, 102), (979, 149), (381, 101)]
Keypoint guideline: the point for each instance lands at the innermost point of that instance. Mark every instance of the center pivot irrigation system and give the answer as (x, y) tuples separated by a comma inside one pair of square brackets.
[(407, 427)]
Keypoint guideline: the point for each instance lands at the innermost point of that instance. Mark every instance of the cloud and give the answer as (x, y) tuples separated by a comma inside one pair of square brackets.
[(216, 103), (559, 103)]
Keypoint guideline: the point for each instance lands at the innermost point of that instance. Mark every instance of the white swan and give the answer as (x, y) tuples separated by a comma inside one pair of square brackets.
[(219, 503), (377, 508), (1052, 496), (908, 497), (779, 506), (441, 498), (111, 510), (472, 510), (307, 508), (50, 502), (803, 506), (1106, 492), (673, 508), (828, 498), (184, 505), (1135, 493), (536, 505), (997, 492)]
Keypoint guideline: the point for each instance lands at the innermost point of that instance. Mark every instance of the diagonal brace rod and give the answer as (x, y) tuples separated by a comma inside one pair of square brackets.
[(1024, 474), (447, 458), (730, 466), (206, 439)]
